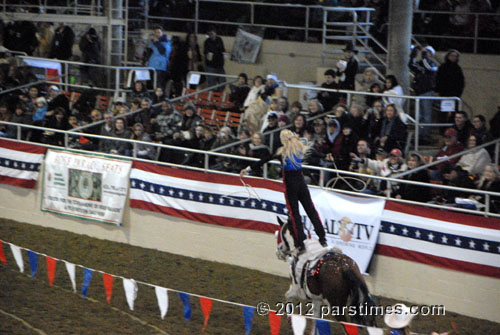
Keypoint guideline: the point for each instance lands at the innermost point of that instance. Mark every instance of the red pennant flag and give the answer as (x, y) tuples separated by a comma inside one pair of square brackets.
[(274, 323), (108, 286), (350, 328), (51, 269), (206, 308), (2, 255)]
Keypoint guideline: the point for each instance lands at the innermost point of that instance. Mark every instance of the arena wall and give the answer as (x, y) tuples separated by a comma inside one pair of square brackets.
[(467, 294), (301, 62)]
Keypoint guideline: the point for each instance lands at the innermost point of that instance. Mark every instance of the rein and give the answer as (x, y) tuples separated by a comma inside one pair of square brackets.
[(249, 191)]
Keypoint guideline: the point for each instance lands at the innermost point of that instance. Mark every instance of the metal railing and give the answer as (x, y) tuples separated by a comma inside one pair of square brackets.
[(416, 99), (53, 6), (307, 19), (477, 28), (116, 74), (322, 171), (249, 13)]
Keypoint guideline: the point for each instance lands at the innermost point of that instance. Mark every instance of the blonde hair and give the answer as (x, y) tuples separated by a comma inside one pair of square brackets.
[(292, 146)]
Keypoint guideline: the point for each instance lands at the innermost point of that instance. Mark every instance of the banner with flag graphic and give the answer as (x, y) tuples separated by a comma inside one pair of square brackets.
[(461, 242), (207, 197), (447, 239), (90, 187), (52, 67), (20, 163)]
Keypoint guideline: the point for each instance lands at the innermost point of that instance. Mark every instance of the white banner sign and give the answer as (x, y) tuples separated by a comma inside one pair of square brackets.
[(351, 223), (91, 187)]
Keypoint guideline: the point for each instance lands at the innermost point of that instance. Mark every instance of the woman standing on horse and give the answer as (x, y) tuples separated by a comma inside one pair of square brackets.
[(290, 155)]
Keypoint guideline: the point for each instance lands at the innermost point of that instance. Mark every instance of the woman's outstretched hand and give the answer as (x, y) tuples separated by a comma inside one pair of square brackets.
[(243, 172)]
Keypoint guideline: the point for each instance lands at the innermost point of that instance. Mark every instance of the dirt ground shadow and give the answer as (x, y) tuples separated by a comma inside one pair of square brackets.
[(30, 306)]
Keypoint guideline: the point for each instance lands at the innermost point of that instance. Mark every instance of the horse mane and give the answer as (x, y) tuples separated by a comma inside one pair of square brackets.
[(282, 237)]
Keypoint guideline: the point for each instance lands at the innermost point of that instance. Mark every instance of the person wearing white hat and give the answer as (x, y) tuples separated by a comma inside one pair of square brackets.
[(398, 319), (57, 99), (425, 71)]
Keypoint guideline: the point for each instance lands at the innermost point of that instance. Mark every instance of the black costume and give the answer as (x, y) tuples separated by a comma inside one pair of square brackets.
[(296, 190)]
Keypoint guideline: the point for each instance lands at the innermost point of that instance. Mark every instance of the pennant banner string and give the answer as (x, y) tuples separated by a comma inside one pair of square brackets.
[(170, 289)]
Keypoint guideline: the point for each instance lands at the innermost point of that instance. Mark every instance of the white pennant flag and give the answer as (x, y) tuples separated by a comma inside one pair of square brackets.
[(70, 267), (130, 287), (16, 251), (298, 324), (162, 297), (374, 331)]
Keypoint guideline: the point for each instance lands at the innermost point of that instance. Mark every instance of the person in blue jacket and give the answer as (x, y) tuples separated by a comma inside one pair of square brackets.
[(160, 48), (291, 155)]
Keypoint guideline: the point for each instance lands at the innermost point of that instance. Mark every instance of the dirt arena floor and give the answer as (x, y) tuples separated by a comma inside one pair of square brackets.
[(30, 306)]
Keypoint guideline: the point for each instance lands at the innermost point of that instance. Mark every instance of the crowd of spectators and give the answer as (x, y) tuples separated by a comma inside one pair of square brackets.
[(368, 136)]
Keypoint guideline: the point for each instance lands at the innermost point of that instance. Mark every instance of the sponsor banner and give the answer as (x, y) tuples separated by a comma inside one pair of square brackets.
[(20, 163), (351, 223), (90, 187), (455, 241)]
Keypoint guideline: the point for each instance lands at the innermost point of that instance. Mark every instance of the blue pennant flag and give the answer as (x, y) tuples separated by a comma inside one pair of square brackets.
[(323, 327), (87, 276), (33, 258), (187, 306), (248, 318)]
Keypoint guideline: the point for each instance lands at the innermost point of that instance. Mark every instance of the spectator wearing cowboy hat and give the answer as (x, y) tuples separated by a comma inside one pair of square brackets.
[(398, 319), (352, 66)]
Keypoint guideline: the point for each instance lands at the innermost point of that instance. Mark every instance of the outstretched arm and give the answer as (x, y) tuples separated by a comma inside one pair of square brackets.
[(256, 165)]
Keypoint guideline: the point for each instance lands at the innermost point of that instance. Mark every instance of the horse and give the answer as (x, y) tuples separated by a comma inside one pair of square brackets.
[(333, 277)]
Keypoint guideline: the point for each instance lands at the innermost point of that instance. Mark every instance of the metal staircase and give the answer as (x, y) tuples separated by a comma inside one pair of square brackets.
[(342, 25), (112, 15)]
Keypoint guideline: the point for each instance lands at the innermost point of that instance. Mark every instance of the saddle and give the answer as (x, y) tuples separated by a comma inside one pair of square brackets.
[(304, 265)]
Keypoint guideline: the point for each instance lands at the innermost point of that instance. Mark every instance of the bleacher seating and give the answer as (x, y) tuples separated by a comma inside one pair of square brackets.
[(214, 108)]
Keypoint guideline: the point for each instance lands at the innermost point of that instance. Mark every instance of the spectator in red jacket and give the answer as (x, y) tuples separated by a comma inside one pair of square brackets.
[(451, 147)]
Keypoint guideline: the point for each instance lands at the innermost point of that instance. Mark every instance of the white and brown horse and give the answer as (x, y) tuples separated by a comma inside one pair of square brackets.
[(334, 278)]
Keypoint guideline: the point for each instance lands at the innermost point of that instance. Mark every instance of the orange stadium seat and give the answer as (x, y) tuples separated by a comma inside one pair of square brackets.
[(220, 118), (103, 102), (234, 120), (207, 115)]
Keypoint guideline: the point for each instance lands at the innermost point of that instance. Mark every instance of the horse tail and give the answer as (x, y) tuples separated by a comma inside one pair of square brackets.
[(360, 296), (359, 291)]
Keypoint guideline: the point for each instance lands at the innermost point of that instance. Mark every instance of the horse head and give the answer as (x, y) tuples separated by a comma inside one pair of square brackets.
[(283, 247)]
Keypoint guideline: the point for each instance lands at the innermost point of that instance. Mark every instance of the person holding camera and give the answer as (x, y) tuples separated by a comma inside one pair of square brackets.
[(159, 49)]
